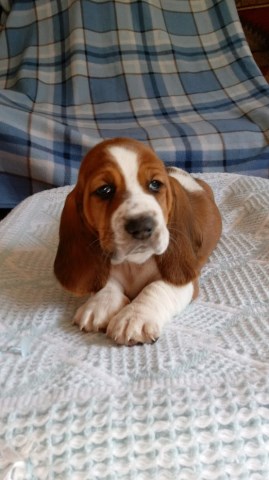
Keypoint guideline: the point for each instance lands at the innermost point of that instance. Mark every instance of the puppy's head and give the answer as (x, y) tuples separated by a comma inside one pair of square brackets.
[(117, 212), (126, 199)]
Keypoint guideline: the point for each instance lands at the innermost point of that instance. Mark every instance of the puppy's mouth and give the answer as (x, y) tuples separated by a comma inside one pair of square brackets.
[(120, 255), (138, 252)]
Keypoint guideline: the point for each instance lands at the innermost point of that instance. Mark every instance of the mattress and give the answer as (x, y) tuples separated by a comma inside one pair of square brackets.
[(192, 406)]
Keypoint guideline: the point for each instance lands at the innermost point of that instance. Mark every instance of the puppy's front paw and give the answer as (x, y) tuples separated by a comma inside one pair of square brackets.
[(130, 327), (94, 315)]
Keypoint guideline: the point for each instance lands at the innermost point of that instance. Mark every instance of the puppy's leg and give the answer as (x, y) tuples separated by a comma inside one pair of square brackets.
[(143, 320), (95, 314)]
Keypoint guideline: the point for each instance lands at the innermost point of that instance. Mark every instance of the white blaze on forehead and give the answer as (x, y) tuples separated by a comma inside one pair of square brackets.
[(185, 179), (128, 162)]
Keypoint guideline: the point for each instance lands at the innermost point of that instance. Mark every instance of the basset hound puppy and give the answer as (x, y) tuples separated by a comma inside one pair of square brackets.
[(134, 235)]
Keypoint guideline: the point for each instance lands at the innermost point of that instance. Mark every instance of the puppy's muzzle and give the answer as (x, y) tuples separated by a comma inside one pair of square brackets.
[(140, 228)]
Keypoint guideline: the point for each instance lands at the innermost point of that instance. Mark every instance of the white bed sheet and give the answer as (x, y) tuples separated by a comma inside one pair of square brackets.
[(193, 406)]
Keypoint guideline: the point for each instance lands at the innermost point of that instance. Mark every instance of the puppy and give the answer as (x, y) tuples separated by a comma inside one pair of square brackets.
[(134, 235)]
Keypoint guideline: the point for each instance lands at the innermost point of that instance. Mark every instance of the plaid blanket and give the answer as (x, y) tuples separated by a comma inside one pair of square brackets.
[(176, 74)]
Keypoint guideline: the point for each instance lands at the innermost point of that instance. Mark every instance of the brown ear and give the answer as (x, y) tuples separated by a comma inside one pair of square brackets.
[(80, 265), (178, 264)]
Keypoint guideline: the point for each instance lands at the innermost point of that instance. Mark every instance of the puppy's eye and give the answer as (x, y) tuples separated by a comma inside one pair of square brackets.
[(105, 192), (155, 186)]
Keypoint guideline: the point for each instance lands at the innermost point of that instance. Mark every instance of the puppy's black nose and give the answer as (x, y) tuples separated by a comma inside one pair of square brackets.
[(140, 227)]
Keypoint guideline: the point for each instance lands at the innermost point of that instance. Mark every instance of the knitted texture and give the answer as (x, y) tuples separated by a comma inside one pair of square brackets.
[(193, 406)]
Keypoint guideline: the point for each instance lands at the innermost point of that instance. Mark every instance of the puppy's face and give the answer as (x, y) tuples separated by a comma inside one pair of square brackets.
[(126, 199)]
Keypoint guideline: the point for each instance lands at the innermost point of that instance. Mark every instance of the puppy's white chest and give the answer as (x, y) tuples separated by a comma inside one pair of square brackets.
[(134, 277)]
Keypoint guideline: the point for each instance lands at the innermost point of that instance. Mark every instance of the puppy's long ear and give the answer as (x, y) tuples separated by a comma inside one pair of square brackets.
[(178, 264), (80, 265)]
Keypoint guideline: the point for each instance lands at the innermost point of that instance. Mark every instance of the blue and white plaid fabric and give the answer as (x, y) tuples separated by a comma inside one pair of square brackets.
[(176, 74)]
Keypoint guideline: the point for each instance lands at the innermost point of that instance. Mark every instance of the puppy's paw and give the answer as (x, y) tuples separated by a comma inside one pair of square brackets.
[(130, 327), (94, 315)]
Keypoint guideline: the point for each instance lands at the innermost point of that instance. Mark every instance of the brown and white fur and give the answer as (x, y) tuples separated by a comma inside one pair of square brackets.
[(134, 235)]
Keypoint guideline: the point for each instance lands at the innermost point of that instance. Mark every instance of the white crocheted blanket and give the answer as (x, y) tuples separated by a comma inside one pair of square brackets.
[(193, 406)]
